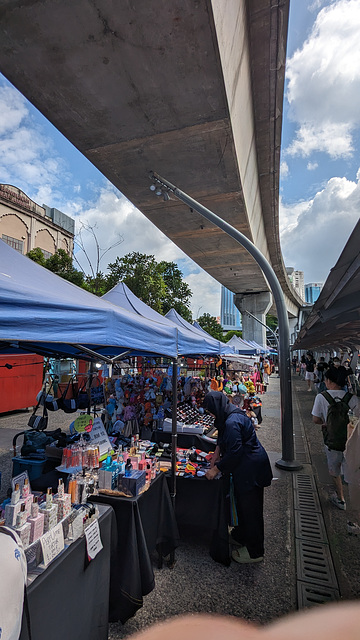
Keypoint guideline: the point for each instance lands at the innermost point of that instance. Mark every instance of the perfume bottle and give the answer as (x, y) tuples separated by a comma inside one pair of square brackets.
[(26, 488), (49, 498), (15, 496)]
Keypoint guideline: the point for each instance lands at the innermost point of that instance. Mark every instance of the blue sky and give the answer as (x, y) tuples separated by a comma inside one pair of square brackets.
[(319, 186)]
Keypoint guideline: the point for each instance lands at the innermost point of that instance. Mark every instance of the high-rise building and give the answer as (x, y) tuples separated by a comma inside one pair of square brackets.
[(230, 318), (312, 291), (25, 225), (297, 280)]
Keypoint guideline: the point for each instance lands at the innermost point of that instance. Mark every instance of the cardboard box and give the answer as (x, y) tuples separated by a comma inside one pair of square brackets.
[(132, 484)]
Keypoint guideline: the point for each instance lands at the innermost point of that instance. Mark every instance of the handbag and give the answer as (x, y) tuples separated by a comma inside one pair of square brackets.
[(51, 403), (39, 423), (82, 398), (69, 405)]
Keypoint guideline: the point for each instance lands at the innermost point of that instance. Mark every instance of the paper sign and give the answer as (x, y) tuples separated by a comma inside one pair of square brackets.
[(52, 543), (99, 437), (93, 539), (83, 423), (20, 479)]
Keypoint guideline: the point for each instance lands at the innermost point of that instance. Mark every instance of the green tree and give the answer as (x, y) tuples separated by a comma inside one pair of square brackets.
[(177, 292), (37, 256), (211, 326), (60, 263), (230, 334), (271, 321), (142, 275), (98, 285)]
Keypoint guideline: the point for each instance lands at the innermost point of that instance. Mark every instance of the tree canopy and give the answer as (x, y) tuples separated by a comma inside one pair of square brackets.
[(211, 326), (158, 284)]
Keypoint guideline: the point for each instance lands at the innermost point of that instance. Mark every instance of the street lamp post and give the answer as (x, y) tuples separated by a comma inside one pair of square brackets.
[(287, 462)]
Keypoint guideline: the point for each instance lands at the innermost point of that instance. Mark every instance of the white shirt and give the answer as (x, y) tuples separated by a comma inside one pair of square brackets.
[(321, 405)]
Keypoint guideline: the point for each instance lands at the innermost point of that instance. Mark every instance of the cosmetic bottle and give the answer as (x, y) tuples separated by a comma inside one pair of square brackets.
[(128, 468), (26, 488), (49, 498), (15, 496), (61, 488), (21, 516)]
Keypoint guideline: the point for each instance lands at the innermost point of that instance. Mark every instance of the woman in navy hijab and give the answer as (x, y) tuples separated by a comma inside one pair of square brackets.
[(239, 453)]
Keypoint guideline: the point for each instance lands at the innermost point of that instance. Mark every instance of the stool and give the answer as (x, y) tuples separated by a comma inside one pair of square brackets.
[(259, 387)]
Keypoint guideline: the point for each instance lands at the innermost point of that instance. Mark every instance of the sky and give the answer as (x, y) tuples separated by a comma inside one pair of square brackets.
[(320, 165)]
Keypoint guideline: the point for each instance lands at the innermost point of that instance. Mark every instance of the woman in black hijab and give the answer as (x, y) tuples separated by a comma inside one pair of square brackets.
[(239, 453)]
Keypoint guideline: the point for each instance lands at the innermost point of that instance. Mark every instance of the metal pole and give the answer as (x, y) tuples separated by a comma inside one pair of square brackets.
[(287, 461), (174, 432)]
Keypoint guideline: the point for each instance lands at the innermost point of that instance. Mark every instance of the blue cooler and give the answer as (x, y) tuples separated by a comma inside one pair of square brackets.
[(33, 467)]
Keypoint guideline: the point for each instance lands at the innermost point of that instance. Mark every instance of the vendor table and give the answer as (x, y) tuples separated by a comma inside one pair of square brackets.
[(185, 440), (145, 524), (201, 510), (71, 598)]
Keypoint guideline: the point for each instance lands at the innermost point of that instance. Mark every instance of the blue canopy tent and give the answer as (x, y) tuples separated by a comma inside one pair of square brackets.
[(242, 347), (226, 349), (188, 341), (45, 314), (213, 344)]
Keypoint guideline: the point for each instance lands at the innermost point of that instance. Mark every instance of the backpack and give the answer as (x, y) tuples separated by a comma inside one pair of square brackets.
[(335, 429)]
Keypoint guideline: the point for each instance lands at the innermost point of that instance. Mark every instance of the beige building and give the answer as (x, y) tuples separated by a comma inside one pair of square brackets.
[(25, 225)]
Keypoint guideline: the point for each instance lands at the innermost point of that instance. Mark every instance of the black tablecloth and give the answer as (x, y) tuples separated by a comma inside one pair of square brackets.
[(185, 440), (145, 524), (70, 600), (201, 510)]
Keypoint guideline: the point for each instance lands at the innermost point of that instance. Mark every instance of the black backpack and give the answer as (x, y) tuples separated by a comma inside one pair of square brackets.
[(335, 429)]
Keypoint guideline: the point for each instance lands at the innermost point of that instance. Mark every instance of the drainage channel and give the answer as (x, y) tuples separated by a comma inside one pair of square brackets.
[(316, 579)]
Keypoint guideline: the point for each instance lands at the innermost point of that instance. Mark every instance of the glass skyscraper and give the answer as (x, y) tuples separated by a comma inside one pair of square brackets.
[(230, 318), (312, 291)]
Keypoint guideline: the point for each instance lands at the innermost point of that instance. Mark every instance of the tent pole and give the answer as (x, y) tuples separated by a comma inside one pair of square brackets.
[(287, 461), (173, 442)]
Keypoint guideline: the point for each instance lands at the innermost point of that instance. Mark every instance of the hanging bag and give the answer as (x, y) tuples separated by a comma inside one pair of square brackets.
[(39, 422), (82, 399), (51, 403), (69, 405)]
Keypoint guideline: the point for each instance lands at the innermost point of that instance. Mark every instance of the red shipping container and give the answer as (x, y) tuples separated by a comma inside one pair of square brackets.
[(20, 384)]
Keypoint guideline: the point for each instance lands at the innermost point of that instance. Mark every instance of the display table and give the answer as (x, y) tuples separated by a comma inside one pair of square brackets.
[(185, 440), (145, 524), (71, 598), (201, 510)]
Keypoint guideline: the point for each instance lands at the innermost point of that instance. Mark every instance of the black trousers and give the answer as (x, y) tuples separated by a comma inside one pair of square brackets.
[(250, 530)]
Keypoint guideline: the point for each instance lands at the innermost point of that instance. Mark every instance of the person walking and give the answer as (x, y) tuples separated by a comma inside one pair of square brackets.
[(239, 453), (310, 368), (334, 420)]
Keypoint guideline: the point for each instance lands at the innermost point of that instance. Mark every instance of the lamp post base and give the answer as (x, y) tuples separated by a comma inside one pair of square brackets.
[(288, 465)]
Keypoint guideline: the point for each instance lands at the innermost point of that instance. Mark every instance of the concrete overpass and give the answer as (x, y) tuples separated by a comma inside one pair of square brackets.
[(192, 89)]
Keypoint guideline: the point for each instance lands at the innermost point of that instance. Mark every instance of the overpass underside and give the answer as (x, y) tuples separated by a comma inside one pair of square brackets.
[(191, 89)]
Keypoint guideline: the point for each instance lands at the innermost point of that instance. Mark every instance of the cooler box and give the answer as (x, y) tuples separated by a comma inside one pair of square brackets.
[(33, 467)]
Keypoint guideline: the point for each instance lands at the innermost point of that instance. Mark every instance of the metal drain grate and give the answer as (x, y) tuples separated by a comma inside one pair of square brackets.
[(306, 500), (310, 526), (314, 564), (304, 481), (309, 595)]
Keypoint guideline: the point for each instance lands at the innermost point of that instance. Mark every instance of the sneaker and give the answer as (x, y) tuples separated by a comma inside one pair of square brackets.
[(353, 529), (242, 556), (340, 504)]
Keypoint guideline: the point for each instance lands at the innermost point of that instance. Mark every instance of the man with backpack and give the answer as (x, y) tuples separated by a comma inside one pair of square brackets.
[(331, 410)]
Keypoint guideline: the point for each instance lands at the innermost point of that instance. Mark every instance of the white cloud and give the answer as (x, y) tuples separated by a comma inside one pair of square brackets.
[(284, 169), (311, 166), (323, 88), (206, 293), (112, 216), (314, 233)]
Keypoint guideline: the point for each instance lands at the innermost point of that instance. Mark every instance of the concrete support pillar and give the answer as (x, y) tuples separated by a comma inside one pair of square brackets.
[(293, 322), (258, 304)]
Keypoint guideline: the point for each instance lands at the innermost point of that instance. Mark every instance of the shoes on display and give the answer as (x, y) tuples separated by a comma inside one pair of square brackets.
[(353, 529), (340, 504), (242, 556)]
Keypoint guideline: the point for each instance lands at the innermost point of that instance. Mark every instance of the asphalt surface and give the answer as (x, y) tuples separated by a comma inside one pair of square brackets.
[(260, 592)]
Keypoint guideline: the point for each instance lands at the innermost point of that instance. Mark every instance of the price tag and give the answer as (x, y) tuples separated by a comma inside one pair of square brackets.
[(99, 437), (52, 543), (83, 423), (93, 539)]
